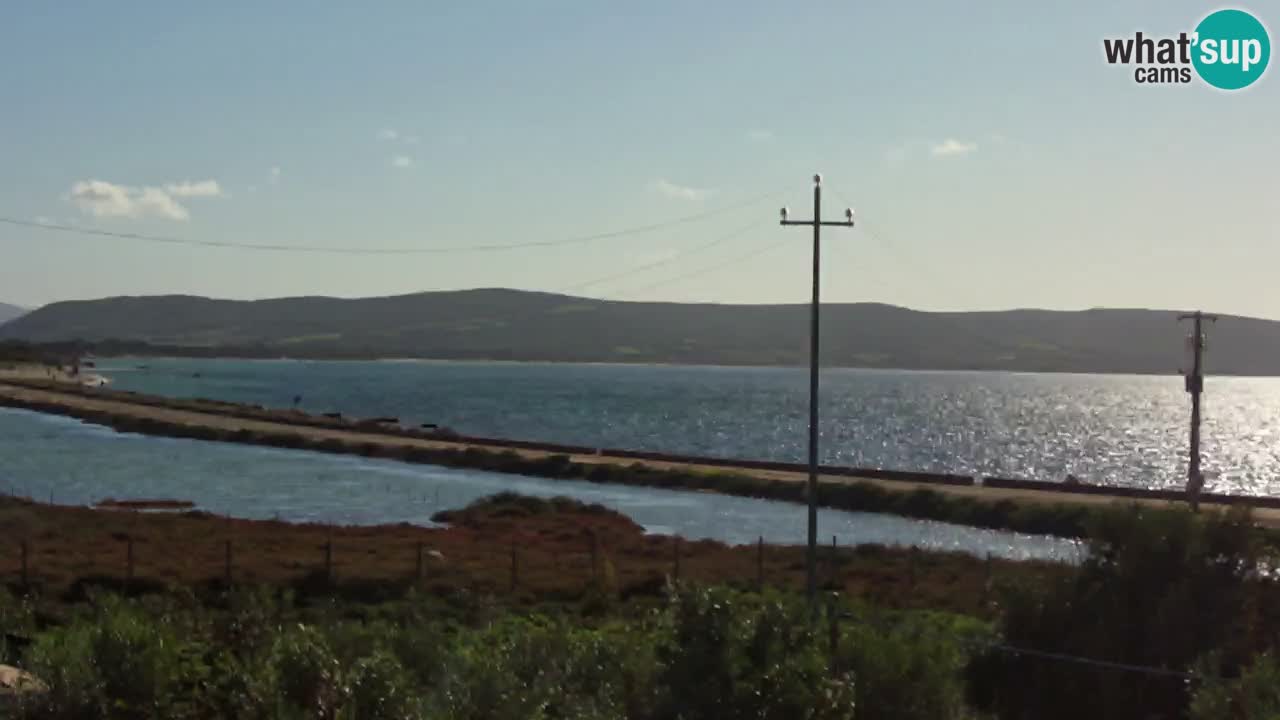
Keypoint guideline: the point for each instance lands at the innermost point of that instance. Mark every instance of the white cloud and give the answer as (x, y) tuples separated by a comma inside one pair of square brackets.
[(202, 188), (100, 198), (274, 176), (401, 161), (679, 192), (43, 220), (388, 134), (759, 135), (412, 139), (952, 147), (252, 188)]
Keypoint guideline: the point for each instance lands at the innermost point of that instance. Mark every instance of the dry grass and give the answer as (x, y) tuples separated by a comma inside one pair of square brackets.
[(70, 548)]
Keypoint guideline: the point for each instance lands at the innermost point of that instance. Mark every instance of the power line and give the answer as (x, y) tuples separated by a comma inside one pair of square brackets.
[(708, 269), (1104, 664), (315, 249), (979, 644), (664, 261)]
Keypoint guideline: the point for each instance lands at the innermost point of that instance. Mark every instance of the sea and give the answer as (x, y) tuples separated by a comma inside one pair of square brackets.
[(51, 458), (1124, 430)]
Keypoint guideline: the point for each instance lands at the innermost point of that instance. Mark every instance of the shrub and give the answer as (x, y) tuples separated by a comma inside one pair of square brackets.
[(1255, 695), (116, 664), (910, 667), (725, 659), (1159, 588), (381, 689), (304, 670)]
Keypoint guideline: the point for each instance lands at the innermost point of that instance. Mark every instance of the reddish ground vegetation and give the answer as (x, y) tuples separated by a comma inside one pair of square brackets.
[(550, 545)]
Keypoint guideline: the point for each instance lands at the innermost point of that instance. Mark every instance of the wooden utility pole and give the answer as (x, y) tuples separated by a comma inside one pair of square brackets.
[(1195, 386), (811, 559)]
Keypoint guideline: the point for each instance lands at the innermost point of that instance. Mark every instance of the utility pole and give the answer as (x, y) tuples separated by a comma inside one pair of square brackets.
[(1195, 386), (811, 559)]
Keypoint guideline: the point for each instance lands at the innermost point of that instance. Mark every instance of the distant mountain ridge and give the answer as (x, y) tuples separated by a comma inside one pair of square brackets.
[(9, 312), (499, 324)]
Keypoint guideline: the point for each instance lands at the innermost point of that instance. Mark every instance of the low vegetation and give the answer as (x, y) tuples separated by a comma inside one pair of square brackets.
[(710, 654), (526, 550), (1171, 615)]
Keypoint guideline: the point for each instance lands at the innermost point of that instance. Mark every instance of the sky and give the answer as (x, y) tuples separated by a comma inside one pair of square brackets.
[(993, 158)]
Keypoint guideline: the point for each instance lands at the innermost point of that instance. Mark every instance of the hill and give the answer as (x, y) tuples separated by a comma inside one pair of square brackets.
[(516, 325), (9, 312)]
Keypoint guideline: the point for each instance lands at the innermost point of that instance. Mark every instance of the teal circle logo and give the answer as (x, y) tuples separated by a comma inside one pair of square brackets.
[(1232, 49)]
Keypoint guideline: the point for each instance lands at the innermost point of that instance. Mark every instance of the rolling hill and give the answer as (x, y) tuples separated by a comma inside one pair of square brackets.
[(9, 312), (516, 325)]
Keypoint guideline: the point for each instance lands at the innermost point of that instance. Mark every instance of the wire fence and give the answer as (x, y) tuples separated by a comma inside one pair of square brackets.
[(364, 563)]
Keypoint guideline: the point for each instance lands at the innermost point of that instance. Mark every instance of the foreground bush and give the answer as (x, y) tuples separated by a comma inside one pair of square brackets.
[(1160, 590), (1255, 695), (702, 655)]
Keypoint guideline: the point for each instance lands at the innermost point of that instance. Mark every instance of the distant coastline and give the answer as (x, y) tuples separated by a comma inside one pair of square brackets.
[(123, 351), (498, 325)]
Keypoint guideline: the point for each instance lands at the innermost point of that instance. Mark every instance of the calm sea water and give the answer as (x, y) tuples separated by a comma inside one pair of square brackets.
[(1111, 429), (52, 457)]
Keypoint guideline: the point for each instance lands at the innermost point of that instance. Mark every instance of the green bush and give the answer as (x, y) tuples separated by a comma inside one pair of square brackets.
[(909, 667), (1254, 695), (727, 659), (707, 653), (1159, 589), (119, 663), (304, 672), (381, 689)]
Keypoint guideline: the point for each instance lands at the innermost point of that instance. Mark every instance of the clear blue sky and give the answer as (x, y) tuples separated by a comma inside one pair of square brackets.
[(997, 160)]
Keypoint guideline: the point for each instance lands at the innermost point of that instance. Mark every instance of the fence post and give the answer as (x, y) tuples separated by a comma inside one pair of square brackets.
[(760, 564), (515, 567), (25, 552), (419, 569), (831, 563), (986, 581), (675, 561), (595, 558), (328, 561), (833, 630), (911, 567), (226, 569)]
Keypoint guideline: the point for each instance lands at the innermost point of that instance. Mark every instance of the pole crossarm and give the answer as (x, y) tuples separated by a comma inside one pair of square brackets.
[(824, 223)]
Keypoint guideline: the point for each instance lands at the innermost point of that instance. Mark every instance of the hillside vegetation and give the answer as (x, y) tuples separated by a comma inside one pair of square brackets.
[(516, 325)]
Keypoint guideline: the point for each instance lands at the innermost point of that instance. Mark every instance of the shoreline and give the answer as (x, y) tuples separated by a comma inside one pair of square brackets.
[(1031, 510), (260, 354)]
